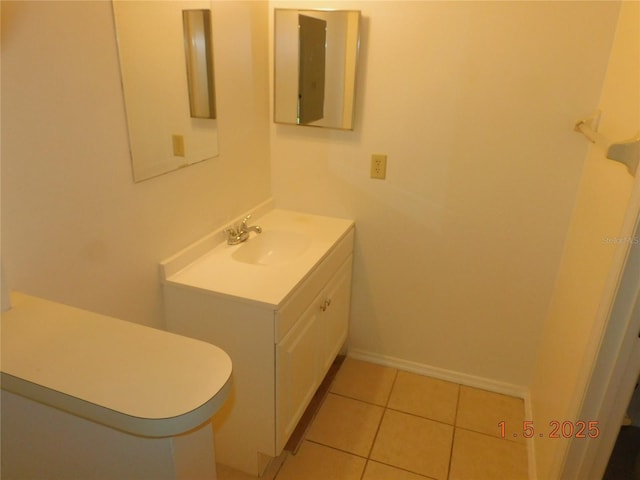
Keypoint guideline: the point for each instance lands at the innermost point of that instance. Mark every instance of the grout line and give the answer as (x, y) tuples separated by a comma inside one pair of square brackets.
[(427, 477), (455, 417), (364, 470), (356, 399), (336, 448), (384, 412), (393, 385), (453, 436), (368, 459), (420, 416), (411, 414), (515, 442), (385, 409)]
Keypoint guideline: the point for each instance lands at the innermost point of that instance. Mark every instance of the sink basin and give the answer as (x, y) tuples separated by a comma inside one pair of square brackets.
[(265, 268), (272, 247)]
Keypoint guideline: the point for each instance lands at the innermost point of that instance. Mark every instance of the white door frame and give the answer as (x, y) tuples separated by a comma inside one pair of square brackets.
[(615, 370)]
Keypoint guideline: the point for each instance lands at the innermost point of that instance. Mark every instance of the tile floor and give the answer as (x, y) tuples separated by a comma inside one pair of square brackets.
[(379, 423)]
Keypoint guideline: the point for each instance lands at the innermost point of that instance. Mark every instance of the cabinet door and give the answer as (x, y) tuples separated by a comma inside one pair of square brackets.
[(297, 367), (335, 315)]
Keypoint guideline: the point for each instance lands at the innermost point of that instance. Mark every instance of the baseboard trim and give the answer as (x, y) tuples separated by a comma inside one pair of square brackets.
[(504, 388), (441, 373)]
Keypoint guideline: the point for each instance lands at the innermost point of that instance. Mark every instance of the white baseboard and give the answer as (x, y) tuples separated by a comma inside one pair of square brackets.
[(441, 373), (504, 388)]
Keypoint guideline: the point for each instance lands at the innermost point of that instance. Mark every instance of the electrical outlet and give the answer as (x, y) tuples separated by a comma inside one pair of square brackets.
[(378, 166), (178, 145)]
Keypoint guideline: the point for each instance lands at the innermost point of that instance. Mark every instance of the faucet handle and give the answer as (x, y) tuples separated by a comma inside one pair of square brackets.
[(245, 220)]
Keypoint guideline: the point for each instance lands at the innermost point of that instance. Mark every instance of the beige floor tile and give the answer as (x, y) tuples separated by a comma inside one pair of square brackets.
[(364, 381), (413, 443), (378, 471), (482, 411), (317, 462), (425, 396), (227, 473), (346, 424), (481, 457)]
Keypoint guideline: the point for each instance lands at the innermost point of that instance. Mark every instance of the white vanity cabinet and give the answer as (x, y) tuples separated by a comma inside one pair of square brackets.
[(305, 353), (281, 349)]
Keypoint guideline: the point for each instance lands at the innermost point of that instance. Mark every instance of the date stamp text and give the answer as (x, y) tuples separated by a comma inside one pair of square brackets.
[(555, 429)]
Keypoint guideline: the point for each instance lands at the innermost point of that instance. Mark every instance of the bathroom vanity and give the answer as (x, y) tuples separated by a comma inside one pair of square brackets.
[(278, 304)]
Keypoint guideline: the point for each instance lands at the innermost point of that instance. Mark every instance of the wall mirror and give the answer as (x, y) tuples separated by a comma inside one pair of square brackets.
[(315, 57), (166, 63)]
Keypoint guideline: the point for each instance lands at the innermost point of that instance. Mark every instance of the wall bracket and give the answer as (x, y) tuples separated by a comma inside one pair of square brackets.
[(626, 152)]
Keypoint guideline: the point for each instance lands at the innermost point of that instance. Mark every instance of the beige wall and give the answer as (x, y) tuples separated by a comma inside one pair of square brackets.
[(457, 250), (75, 228), (151, 52), (601, 227), (474, 103)]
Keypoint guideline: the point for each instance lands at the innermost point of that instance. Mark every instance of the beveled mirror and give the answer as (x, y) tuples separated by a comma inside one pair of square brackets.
[(315, 59), (166, 63)]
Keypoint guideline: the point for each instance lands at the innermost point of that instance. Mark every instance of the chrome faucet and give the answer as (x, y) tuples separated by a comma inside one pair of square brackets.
[(239, 233)]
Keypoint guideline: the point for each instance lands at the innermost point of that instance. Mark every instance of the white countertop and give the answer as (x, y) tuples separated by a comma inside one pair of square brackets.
[(217, 272), (127, 376)]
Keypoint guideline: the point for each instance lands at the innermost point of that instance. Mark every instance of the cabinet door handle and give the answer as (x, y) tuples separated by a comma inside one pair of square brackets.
[(325, 304)]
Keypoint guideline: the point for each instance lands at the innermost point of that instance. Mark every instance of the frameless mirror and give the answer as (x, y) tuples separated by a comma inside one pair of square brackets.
[(315, 56), (166, 63)]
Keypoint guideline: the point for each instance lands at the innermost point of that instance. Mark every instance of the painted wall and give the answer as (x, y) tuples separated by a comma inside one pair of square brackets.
[(457, 250), (75, 228), (474, 103), (151, 50), (601, 228)]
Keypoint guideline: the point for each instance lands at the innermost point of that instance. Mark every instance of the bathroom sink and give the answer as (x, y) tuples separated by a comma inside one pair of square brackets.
[(267, 266), (272, 247)]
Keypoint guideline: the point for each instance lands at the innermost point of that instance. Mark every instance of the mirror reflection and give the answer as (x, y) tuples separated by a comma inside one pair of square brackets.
[(197, 44), (166, 64), (315, 56)]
